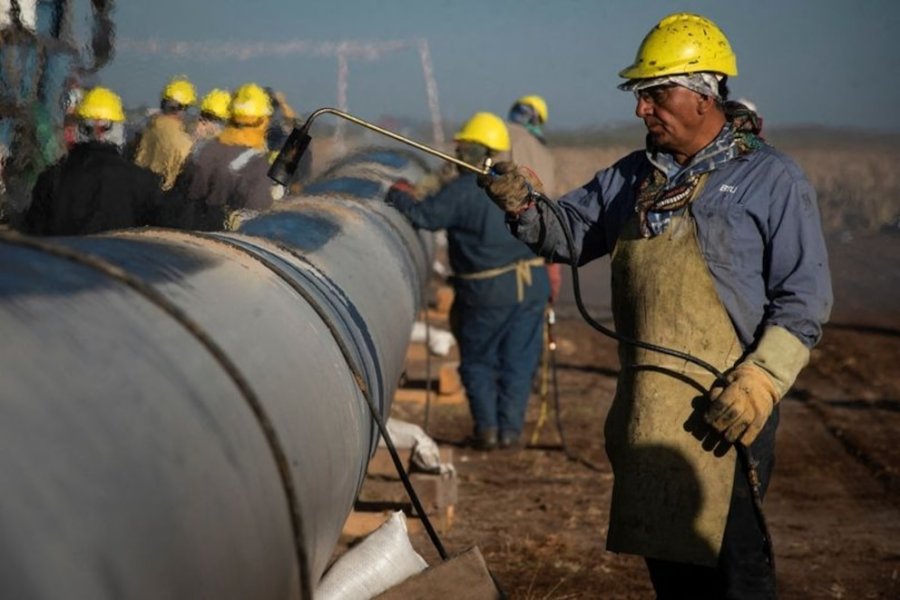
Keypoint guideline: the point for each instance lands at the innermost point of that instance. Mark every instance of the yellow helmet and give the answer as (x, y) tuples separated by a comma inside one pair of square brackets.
[(486, 129), (215, 104), (250, 103), (537, 103), (100, 104), (180, 90), (682, 43)]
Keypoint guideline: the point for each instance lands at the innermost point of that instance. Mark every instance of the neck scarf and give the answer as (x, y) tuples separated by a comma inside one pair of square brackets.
[(670, 187)]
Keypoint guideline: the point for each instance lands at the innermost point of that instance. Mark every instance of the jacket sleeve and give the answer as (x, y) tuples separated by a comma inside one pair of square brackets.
[(438, 211), (797, 277), (254, 188), (584, 214)]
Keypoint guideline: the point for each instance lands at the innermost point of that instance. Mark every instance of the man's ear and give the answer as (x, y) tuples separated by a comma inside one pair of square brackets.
[(705, 103)]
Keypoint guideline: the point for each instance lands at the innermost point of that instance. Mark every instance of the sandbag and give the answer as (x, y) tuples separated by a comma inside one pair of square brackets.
[(381, 561), (440, 341), (425, 456)]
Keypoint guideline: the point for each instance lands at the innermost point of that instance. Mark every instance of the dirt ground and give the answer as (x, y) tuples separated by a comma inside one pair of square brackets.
[(834, 503)]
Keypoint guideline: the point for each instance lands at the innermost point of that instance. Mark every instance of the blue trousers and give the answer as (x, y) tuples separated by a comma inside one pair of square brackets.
[(499, 348)]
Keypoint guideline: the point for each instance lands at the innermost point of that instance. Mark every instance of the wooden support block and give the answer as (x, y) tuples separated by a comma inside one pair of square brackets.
[(441, 520), (449, 381), (416, 352), (442, 369), (463, 576), (435, 492), (362, 523), (443, 376), (381, 464), (443, 300), (418, 396)]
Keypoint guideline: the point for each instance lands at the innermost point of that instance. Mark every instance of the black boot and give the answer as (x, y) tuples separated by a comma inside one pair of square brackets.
[(485, 439), (510, 440)]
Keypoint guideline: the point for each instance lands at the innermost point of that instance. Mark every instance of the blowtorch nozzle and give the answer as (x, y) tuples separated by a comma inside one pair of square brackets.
[(285, 164)]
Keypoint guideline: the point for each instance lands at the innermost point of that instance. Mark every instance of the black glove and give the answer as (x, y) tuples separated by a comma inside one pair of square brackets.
[(400, 187)]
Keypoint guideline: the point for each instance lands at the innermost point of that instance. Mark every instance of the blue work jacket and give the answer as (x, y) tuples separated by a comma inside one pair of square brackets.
[(758, 227), (478, 240)]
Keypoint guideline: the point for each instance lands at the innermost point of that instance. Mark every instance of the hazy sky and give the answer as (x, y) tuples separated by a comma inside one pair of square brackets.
[(802, 61)]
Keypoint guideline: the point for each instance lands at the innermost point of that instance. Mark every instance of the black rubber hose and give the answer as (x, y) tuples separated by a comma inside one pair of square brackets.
[(748, 463)]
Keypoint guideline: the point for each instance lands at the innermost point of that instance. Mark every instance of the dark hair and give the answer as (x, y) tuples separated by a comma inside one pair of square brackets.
[(723, 89)]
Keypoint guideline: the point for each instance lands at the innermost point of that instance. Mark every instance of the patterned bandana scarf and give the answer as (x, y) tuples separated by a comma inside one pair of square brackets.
[(670, 187)]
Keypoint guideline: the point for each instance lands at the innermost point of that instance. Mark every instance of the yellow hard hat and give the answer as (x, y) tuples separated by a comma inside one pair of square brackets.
[(180, 90), (486, 129), (250, 103), (537, 103), (682, 43), (100, 104), (216, 103)]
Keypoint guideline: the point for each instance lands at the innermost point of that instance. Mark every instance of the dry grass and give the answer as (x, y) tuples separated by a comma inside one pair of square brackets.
[(858, 187)]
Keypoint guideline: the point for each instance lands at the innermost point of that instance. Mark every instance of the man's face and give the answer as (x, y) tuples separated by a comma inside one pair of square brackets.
[(671, 114)]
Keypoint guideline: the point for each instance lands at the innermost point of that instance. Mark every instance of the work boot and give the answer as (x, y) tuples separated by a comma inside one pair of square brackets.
[(486, 439), (509, 440)]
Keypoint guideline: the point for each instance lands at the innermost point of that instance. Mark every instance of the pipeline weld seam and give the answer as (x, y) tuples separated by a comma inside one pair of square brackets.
[(358, 376), (167, 306), (377, 417)]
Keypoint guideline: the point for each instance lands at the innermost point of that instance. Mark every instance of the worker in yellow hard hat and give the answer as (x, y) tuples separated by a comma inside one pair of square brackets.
[(214, 114), (716, 251), (530, 111), (165, 143), (227, 176), (94, 188), (500, 289)]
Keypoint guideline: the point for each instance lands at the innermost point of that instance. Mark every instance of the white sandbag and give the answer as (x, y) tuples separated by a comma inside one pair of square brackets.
[(440, 342), (381, 561), (426, 456)]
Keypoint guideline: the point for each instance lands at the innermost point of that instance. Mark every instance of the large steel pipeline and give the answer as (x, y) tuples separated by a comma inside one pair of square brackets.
[(183, 414)]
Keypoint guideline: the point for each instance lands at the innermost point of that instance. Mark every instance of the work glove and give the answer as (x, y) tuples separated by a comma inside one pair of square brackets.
[(740, 408), (510, 186), (400, 187)]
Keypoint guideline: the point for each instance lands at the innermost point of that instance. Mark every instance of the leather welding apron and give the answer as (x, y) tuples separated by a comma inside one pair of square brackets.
[(671, 490)]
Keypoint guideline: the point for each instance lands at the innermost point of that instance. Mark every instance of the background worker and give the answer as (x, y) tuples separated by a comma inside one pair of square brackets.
[(717, 250), (165, 144), (500, 289), (228, 173), (94, 188), (213, 115), (528, 148)]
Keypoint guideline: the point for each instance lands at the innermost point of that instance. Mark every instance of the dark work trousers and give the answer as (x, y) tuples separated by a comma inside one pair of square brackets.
[(499, 349), (743, 572)]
